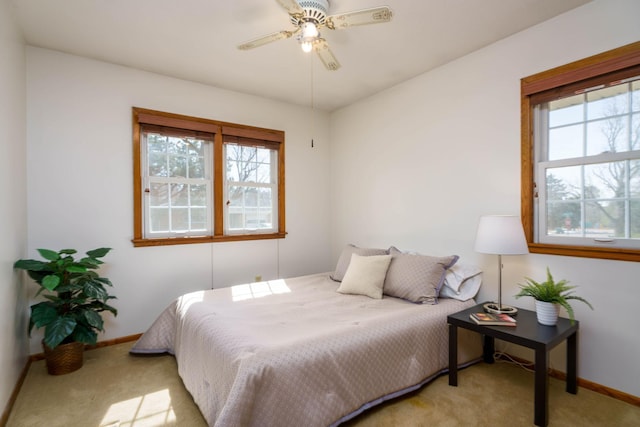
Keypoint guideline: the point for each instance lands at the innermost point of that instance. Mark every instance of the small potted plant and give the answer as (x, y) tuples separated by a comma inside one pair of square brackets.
[(549, 296), (75, 297)]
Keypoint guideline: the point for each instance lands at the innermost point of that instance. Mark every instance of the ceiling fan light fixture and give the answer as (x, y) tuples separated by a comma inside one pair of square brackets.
[(309, 35), (308, 16), (310, 30), (307, 45)]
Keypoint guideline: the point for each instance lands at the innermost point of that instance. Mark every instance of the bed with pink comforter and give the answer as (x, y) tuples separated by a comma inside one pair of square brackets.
[(294, 352)]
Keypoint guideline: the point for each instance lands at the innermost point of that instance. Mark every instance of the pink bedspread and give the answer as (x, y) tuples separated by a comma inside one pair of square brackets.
[(294, 352)]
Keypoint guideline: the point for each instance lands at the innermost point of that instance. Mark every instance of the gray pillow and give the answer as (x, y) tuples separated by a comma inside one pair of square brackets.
[(416, 278), (345, 259)]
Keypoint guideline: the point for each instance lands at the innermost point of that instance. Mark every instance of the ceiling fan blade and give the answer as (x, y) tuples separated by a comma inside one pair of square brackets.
[(260, 41), (326, 56), (359, 17), (292, 7)]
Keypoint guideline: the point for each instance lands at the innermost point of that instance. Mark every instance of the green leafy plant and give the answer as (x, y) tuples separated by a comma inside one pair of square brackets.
[(75, 295), (551, 291)]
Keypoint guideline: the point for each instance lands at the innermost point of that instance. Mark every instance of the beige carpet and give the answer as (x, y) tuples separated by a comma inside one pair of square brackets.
[(114, 389)]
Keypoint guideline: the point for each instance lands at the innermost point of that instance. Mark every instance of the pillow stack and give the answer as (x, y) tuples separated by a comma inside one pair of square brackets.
[(374, 272)]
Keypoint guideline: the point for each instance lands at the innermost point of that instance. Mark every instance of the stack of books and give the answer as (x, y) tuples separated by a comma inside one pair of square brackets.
[(490, 319)]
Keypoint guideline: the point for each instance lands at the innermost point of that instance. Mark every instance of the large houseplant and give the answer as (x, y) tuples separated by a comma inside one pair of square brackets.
[(550, 292), (75, 297)]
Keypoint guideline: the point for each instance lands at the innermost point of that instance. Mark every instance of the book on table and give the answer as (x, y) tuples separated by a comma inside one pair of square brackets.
[(491, 319)]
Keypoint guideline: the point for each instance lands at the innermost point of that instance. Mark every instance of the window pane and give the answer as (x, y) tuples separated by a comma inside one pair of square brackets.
[(198, 195), (248, 154), (607, 136), (265, 198), (179, 219), (158, 195), (635, 96), (179, 195), (605, 180), (566, 111), (634, 181), (198, 219), (159, 219), (635, 132), (157, 164), (250, 208), (634, 207), (177, 161), (264, 173), (196, 159), (607, 102), (250, 164), (564, 206), (564, 183), (176, 157), (606, 219), (235, 219), (566, 142), (264, 155), (235, 207), (233, 171), (241, 163), (563, 217), (157, 156), (178, 166), (247, 171)]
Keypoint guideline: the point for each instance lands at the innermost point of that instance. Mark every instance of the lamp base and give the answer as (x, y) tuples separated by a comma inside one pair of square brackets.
[(494, 308)]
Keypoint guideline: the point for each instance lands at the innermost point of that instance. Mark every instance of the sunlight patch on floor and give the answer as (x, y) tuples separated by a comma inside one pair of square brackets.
[(150, 410)]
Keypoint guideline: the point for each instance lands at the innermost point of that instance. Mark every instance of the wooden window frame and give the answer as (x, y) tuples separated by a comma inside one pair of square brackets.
[(553, 84), (158, 118)]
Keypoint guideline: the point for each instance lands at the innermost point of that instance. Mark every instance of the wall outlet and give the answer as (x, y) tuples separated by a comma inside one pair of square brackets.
[(258, 278)]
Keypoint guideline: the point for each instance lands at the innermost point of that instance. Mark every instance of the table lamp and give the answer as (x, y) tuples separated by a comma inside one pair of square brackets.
[(500, 235)]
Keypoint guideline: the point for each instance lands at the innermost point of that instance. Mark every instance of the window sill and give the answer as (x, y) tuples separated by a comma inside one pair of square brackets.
[(586, 251), (205, 239)]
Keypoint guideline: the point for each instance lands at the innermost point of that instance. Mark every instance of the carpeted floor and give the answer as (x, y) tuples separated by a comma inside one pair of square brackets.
[(114, 389)]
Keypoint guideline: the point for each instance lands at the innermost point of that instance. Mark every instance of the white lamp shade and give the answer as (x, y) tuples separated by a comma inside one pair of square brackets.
[(501, 235)]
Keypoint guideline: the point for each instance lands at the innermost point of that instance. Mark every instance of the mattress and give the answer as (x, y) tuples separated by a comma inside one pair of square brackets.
[(294, 352)]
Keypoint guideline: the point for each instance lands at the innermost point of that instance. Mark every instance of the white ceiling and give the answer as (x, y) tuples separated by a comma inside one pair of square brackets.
[(196, 40)]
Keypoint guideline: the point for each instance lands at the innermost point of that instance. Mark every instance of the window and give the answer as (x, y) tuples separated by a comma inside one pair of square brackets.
[(199, 180), (177, 182), (251, 178), (581, 157)]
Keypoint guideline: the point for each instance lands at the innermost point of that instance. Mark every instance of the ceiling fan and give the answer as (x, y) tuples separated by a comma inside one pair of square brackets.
[(309, 16)]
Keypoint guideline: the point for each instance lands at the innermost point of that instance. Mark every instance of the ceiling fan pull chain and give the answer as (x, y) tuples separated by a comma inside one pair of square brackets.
[(313, 127)]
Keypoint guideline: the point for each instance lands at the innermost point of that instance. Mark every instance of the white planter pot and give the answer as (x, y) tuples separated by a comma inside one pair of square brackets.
[(547, 312)]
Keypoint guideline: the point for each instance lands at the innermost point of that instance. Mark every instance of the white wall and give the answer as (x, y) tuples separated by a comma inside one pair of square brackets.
[(13, 301), (80, 182), (417, 165)]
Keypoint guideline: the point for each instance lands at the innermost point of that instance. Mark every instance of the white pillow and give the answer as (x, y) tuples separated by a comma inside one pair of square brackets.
[(457, 274), (365, 275), (467, 290)]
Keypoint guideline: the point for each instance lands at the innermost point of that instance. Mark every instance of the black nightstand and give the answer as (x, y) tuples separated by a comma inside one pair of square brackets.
[(528, 333)]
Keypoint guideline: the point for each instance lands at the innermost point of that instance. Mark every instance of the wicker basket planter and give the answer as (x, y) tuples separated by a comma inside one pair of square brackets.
[(74, 298), (65, 358)]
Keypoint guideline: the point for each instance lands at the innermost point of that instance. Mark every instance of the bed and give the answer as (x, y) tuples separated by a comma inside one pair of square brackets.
[(294, 352)]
